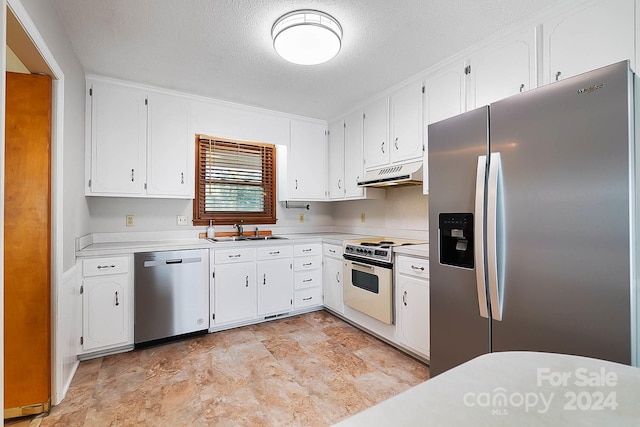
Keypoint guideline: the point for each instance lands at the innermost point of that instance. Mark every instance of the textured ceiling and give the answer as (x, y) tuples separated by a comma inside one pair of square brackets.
[(223, 48)]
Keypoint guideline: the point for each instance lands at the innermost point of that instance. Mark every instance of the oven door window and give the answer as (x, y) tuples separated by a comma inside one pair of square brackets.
[(363, 280)]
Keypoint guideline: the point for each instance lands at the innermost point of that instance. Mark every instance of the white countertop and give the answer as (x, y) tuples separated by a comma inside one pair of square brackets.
[(421, 251), (123, 247), (516, 389)]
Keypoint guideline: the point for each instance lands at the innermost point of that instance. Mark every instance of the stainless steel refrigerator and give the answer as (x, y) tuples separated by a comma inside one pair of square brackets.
[(532, 223)]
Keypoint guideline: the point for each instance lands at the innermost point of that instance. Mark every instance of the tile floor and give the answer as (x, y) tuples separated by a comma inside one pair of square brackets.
[(309, 370)]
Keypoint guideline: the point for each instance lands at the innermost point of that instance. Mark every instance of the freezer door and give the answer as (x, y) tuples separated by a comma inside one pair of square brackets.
[(458, 331), (564, 152)]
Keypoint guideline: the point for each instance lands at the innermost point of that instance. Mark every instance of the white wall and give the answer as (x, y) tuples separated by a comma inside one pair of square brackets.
[(404, 213), (108, 216)]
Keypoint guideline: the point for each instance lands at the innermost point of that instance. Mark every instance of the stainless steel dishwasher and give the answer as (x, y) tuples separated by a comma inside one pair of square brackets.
[(171, 294)]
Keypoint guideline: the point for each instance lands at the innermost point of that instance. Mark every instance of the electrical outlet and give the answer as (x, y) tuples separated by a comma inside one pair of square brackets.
[(130, 220), (301, 218), (182, 220), (363, 217)]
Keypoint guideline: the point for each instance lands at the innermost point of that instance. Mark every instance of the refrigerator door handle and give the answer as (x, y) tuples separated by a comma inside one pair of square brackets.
[(494, 235), (478, 227)]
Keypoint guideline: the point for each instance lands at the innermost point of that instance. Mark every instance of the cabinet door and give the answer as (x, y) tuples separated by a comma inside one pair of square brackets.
[(376, 134), (105, 318), (502, 71), (445, 93), (587, 38), (275, 286), (170, 148), (406, 123), (353, 155), (118, 140), (332, 284), (414, 313), (307, 161), (235, 292), (336, 160)]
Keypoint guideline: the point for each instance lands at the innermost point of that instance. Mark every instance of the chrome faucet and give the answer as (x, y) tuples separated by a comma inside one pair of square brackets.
[(240, 230)]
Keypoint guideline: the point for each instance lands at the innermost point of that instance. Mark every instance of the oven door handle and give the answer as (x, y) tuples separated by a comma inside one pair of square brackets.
[(368, 267)]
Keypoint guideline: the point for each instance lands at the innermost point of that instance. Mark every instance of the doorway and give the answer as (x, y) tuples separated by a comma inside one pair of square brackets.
[(24, 39)]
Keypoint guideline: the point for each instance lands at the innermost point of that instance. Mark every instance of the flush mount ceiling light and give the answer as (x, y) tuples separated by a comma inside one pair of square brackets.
[(306, 37)]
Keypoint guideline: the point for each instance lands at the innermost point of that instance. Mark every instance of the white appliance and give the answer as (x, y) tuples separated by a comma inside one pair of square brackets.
[(368, 272)]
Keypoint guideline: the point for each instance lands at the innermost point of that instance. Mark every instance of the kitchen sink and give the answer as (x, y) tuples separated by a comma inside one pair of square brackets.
[(245, 238)]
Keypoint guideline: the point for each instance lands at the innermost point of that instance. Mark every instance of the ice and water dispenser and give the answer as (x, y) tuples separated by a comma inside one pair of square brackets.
[(456, 239)]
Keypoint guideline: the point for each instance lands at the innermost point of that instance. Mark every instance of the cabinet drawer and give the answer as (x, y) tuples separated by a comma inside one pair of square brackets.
[(307, 263), (307, 298), (307, 279), (334, 251), (273, 252), (411, 266), (234, 255), (308, 249), (103, 266)]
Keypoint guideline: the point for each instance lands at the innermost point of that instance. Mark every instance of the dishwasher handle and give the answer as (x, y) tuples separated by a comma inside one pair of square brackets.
[(158, 263)]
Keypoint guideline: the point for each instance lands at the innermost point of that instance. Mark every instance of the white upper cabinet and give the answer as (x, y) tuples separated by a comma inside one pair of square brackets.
[(336, 160), (376, 134), (354, 158), (445, 92), (138, 143), (589, 37), (117, 129), (307, 165), (406, 123), (502, 70), (393, 127), (170, 151)]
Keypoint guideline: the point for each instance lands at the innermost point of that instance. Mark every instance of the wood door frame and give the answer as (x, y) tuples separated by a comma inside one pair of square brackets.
[(57, 137)]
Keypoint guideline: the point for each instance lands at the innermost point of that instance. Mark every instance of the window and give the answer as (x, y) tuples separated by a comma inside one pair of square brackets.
[(235, 181)]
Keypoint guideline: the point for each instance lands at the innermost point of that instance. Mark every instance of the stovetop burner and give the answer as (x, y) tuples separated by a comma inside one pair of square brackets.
[(376, 249)]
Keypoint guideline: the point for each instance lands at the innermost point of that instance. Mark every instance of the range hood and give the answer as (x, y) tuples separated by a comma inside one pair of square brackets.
[(386, 176)]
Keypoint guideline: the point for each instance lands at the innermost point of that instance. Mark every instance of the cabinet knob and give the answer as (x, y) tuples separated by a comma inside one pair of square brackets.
[(247, 282), (117, 301), (382, 147), (522, 88), (396, 143), (264, 279), (338, 277), (404, 298), (296, 184), (181, 177), (413, 267), (132, 175), (339, 184), (558, 75)]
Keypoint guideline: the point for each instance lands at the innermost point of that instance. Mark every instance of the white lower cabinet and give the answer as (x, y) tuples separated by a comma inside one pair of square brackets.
[(332, 272), (251, 284), (107, 304), (307, 267), (234, 286), (412, 298), (275, 280)]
